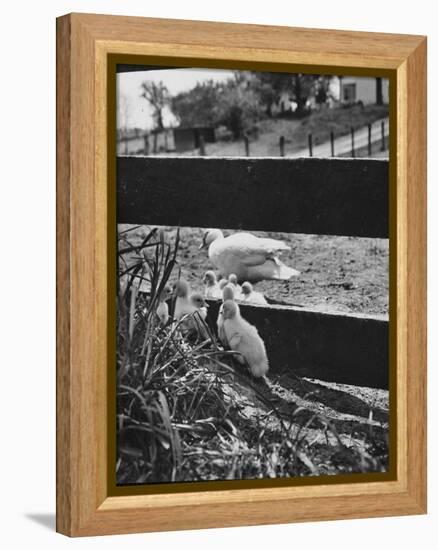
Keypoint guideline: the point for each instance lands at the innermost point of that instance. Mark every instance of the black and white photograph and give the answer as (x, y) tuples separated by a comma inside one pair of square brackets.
[(252, 299)]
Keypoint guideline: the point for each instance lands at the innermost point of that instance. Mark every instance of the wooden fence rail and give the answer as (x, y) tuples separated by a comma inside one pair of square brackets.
[(316, 196), (336, 347)]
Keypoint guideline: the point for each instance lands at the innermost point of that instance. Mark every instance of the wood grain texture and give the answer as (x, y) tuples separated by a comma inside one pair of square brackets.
[(84, 43), (306, 195), (355, 49), (63, 343), (417, 264)]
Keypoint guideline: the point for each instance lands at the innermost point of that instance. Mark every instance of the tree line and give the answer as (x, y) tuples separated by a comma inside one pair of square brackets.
[(237, 103)]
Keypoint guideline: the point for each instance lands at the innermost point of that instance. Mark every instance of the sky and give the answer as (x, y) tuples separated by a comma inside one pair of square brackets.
[(134, 112)]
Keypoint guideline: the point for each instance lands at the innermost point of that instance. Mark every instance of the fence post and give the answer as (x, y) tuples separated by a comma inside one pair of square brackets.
[(155, 143), (310, 145), (281, 146), (201, 146), (382, 148), (126, 146), (332, 143), (246, 141), (146, 145), (353, 152), (369, 140)]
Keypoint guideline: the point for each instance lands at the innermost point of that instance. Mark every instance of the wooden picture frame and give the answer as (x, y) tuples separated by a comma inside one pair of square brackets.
[(85, 44)]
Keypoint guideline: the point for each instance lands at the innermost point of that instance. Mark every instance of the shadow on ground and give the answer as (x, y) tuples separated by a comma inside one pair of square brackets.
[(45, 520)]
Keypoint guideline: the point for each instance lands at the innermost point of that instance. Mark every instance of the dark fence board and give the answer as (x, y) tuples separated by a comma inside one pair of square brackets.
[(305, 195), (338, 348), (130, 68)]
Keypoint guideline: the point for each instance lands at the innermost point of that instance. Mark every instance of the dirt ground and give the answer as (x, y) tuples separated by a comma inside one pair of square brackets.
[(342, 274), (359, 417)]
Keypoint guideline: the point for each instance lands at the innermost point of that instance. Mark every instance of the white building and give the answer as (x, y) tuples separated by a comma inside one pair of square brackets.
[(365, 89)]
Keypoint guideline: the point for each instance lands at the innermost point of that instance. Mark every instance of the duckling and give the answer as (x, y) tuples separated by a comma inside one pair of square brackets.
[(163, 308), (249, 257), (187, 303), (250, 295), (222, 283), (211, 289), (227, 294), (244, 338), (183, 306), (199, 304), (195, 325), (190, 305), (232, 280)]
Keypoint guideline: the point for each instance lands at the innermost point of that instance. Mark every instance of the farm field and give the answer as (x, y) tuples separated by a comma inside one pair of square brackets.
[(265, 140)]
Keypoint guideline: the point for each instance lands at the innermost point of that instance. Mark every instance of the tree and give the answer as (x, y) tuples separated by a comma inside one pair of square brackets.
[(198, 106), (232, 103), (269, 87), (240, 102), (158, 97), (300, 87), (239, 108), (304, 87)]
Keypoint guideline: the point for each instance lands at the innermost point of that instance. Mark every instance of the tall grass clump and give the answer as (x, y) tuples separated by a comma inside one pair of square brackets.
[(168, 394)]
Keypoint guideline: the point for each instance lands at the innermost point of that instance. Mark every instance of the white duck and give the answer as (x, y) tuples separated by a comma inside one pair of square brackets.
[(250, 295), (227, 294), (244, 338), (251, 258), (211, 288)]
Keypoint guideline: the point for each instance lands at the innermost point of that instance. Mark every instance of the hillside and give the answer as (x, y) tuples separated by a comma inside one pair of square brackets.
[(320, 123)]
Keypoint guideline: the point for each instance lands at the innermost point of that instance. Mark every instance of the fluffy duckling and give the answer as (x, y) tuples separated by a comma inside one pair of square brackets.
[(187, 303), (222, 283), (232, 280), (227, 294), (199, 304), (163, 308), (194, 325), (250, 295), (211, 288), (244, 338), (190, 305), (183, 306), (251, 258)]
